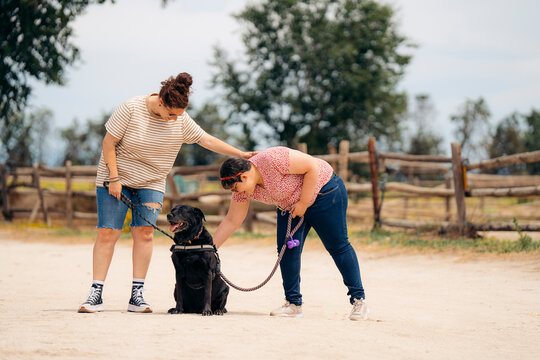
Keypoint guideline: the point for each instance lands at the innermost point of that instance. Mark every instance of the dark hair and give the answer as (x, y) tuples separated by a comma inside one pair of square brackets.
[(232, 168), (175, 91)]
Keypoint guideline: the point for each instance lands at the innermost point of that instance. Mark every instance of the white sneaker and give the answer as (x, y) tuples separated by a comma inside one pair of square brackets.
[(360, 310), (288, 310), (94, 303), (137, 303)]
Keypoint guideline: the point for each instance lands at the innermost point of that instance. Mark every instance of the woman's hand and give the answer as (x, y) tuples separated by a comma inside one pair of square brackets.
[(115, 189), (298, 209), (247, 154)]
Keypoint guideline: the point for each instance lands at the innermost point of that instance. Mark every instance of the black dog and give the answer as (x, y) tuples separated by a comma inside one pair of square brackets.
[(199, 288)]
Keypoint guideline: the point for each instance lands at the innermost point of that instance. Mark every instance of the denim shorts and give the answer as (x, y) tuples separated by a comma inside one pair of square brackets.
[(112, 212)]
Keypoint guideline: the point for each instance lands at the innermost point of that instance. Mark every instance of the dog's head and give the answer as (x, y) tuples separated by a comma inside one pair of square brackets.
[(186, 221)]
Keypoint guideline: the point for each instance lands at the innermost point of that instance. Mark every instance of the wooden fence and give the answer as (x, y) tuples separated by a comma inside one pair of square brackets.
[(459, 183)]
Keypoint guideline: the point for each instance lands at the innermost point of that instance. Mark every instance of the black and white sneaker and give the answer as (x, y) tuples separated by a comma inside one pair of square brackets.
[(137, 303), (94, 303)]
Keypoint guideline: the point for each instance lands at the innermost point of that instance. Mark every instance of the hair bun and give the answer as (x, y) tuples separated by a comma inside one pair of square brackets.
[(175, 91), (184, 79)]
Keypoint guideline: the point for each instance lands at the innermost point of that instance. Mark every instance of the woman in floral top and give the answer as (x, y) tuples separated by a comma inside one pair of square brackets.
[(302, 186)]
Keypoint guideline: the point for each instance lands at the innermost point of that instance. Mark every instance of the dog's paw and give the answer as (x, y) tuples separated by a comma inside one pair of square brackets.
[(219, 312), (207, 313), (174, 311)]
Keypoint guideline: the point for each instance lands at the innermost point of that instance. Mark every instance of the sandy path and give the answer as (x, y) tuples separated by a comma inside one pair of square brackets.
[(422, 307)]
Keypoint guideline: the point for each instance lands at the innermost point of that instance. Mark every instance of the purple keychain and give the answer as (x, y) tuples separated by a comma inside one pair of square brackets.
[(292, 243)]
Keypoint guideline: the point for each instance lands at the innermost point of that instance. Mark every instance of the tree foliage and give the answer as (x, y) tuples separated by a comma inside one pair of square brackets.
[(210, 120), (24, 142), (35, 43), (424, 141), (315, 71), (472, 125), (507, 140), (83, 143)]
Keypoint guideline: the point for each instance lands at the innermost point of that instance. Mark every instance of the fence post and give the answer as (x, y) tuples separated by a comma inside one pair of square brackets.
[(332, 151), (175, 193), (5, 193), (69, 195), (344, 160), (374, 182), (250, 217), (302, 147), (459, 190), (448, 183), (37, 185)]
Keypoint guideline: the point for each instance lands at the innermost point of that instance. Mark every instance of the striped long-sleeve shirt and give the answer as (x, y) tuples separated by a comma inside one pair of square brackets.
[(148, 145)]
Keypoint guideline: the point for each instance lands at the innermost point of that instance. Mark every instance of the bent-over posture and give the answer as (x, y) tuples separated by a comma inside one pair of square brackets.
[(301, 185)]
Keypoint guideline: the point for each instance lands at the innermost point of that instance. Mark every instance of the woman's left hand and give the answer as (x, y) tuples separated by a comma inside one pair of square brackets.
[(247, 154), (298, 209)]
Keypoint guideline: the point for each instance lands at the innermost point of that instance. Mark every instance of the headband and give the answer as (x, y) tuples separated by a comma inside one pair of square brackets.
[(232, 177)]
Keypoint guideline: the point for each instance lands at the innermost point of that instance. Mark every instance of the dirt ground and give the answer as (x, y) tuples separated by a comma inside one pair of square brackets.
[(424, 305)]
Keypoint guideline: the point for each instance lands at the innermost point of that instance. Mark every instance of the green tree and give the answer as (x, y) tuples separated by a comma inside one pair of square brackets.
[(35, 43), (507, 140), (315, 71), (424, 141), (531, 138), (471, 122), (24, 142), (83, 143)]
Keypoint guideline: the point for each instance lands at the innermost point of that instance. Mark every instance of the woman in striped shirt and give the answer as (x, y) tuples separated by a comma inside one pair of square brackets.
[(143, 138)]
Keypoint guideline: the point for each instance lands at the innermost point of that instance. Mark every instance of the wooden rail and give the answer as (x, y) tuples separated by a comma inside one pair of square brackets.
[(458, 184), (523, 158)]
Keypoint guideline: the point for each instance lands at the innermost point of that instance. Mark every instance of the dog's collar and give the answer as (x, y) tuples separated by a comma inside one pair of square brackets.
[(196, 237), (199, 234), (201, 247)]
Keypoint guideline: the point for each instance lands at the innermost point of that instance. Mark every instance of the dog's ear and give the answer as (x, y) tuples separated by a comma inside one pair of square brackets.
[(199, 213)]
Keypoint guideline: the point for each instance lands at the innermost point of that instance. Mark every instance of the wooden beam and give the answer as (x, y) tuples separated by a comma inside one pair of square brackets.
[(459, 189), (344, 160), (418, 190), (528, 157), (374, 182), (354, 188), (69, 196), (5, 194), (507, 192), (505, 226), (411, 224), (415, 158), (489, 181), (37, 185)]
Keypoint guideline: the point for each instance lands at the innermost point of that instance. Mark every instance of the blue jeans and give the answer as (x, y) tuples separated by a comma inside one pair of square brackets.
[(327, 216), (112, 212)]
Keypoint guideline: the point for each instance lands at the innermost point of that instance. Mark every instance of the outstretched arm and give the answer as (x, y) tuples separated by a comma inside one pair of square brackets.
[(235, 217), (214, 144)]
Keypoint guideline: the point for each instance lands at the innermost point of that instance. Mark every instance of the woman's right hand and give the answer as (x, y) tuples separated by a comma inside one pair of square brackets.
[(115, 189)]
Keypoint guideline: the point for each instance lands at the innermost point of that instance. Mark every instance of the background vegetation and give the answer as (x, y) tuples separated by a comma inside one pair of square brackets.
[(313, 71)]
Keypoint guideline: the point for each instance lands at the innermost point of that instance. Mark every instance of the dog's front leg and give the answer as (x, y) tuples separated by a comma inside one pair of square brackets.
[(178, 297), (207, 309)]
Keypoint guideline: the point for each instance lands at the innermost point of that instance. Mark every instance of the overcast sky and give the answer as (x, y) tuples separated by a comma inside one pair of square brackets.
[(466, 49)]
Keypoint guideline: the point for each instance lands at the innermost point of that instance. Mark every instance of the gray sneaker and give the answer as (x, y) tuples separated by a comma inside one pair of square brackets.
[(288, 310), (94, 303), (360, 310), (137, 303)]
